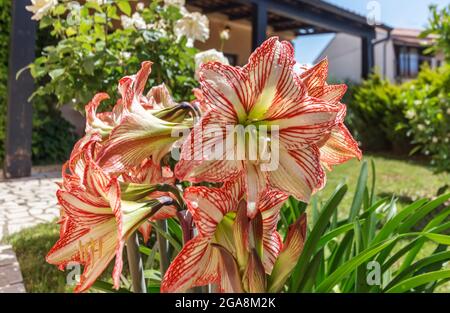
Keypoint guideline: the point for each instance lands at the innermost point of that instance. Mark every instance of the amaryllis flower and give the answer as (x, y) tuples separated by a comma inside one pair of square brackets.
[(264, 94), (214, 213), (151, 174), (95, 222), (145, 126), (338, 146)]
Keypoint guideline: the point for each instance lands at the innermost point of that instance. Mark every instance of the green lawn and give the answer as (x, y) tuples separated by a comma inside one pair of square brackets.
[(407, 180)]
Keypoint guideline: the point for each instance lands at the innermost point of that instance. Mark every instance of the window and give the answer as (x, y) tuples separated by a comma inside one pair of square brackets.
[(408, 62)]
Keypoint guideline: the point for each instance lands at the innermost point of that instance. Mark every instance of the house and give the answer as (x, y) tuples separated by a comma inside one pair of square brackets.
[(399, 53), (252, 21)]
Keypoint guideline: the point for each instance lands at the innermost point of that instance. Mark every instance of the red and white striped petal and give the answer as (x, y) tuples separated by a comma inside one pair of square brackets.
[(98, 122), (299, 172), (145, 229), (305, 125), (270, 203), (288, 257), (339, 147), (270, 69), (329, 93), (316, 76), (226, 89), (137, 138), (205, 156), (195, 264), (256, 182), (132, 87), (208, 205), (160, 97)]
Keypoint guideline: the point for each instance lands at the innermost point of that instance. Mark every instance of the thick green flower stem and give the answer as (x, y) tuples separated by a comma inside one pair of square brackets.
[(135, 264), (163, 247)]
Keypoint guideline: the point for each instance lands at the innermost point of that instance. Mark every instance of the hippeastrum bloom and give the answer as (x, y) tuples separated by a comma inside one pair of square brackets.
[(265, 94), (145, 126), (223, 236), (338, 146), (143, 178), (95, 221)]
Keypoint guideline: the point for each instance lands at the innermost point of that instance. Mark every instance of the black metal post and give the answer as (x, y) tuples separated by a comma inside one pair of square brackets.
[(259, 23), (368, 56), (19, 117)]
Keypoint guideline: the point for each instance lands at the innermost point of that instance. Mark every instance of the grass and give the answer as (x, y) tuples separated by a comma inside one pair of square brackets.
[(407, 180), (31, 245)]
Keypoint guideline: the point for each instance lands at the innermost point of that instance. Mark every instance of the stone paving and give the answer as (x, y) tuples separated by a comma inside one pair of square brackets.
[(26, 202), (10, 276)]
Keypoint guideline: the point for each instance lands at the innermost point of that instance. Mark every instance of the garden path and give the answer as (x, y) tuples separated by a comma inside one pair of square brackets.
[(26, 202)]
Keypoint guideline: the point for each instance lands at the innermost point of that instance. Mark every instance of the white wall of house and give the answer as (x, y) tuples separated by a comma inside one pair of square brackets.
[(344, 56)]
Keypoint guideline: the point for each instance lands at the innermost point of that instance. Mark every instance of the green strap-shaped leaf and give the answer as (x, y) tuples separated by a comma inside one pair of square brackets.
[(350, 266), (419, 280), (437, 258), (359, 192), (314, 237)]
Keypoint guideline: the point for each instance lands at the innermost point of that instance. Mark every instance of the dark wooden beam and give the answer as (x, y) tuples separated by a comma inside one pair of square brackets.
[(290, 25), (239, 16), (259, 23), (222, 8), (19, 117), (326, 20), (316, 32)]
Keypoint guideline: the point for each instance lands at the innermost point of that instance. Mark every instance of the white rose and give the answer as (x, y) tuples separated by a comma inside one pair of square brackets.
[(176, 3), (40, 8), (421, 127), (225, 34), (194, 26), (211, 55), (140, 6), (410, 114), (125, 55), (126, 21), (135, 21), (138, 21)]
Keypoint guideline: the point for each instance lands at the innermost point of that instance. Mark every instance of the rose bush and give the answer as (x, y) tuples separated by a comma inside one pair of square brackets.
[(98, 42)]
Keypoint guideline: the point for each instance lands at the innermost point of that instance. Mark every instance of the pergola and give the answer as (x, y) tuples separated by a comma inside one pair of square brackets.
[(304, 17)]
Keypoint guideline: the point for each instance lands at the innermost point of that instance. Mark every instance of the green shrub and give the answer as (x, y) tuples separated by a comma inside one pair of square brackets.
[(92, 52), (374, 112), (53, 136), (426, 105)]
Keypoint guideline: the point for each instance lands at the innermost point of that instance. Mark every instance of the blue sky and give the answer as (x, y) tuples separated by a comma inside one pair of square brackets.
[(395, 13)]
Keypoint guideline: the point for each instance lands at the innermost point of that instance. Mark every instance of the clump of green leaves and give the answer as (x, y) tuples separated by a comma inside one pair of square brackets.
[(93, 50), (426, 103), (374, 113), (373, 249), (439, 26)]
